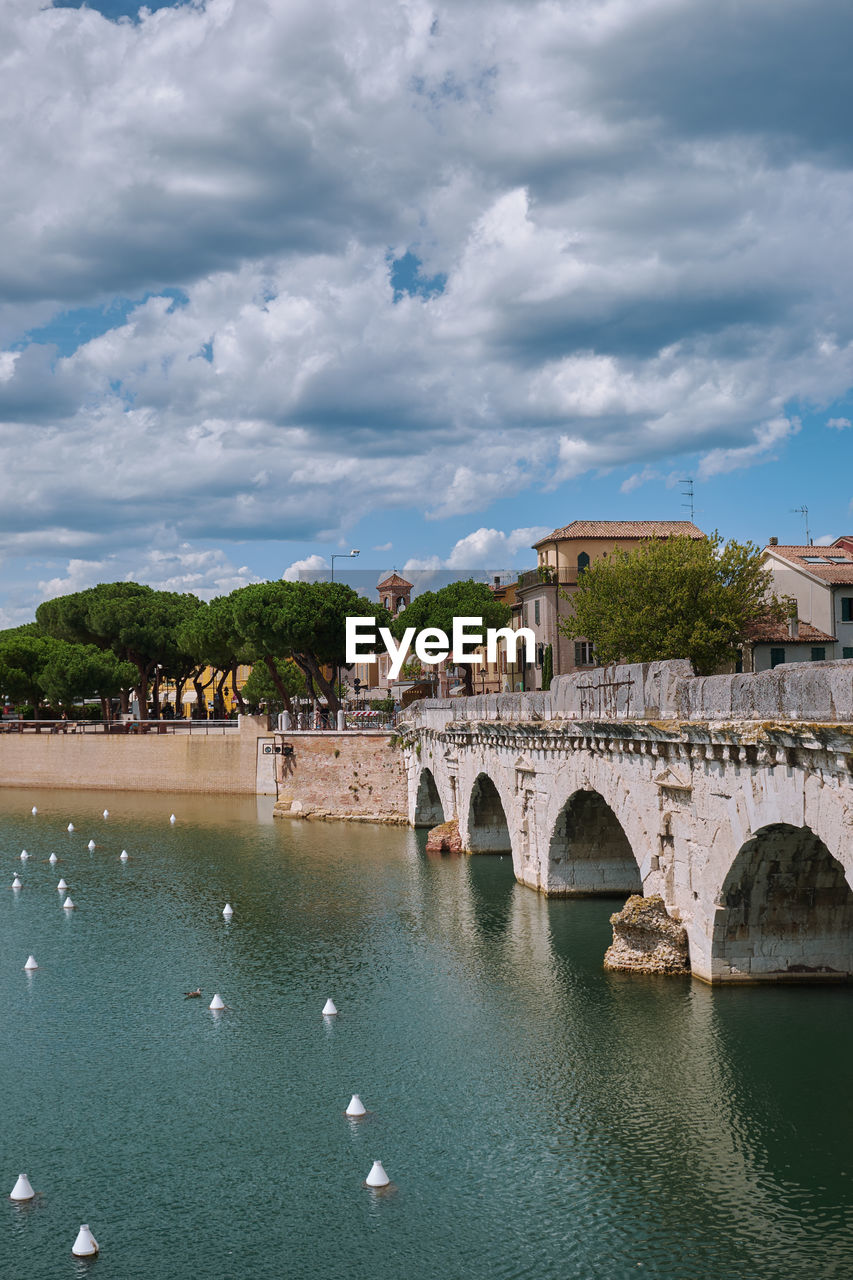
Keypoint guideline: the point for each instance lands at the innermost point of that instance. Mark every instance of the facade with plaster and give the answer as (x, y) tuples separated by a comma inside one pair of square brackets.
[(729, 796), (545, 593)]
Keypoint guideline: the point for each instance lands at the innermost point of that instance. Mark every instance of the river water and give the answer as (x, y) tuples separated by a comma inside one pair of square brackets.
[(537, 1116)]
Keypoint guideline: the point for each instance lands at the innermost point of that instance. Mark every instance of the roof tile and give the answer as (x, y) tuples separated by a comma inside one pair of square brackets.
[(625, 529), (838, 574)]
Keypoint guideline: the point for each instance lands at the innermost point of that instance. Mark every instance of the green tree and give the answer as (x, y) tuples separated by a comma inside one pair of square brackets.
[(305, 621), (139, 625), (468, 599), (21, 660), (673, 598), (260, 687), (209, 638), (72, 672)]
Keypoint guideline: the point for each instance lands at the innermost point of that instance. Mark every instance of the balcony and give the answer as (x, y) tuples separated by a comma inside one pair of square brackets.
[(532, 578)]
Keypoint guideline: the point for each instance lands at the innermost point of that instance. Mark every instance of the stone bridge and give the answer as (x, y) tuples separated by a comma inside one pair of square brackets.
[(729, 796)]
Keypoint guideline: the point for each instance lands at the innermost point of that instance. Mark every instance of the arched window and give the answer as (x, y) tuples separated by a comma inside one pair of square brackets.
[(401, 603), (387, 602), (583, 562)]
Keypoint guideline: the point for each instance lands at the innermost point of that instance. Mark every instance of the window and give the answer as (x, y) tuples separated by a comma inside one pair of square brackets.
[(847, 651), (540, 654), (818, 653), (401, 603), (847, 608), (583, 562), (536, 613), (815, 560), (583, 653), (777, 657), (387, 602)]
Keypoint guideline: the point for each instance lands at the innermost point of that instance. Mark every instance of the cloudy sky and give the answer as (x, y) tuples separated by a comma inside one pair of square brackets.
[(283, 277)]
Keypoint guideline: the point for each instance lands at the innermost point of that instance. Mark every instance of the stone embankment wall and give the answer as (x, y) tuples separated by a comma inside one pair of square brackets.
[(669, 691), (357, 775), (217, 763)]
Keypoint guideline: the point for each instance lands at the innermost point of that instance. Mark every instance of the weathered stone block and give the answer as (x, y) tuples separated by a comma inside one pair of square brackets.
[(445, 838), (646, 939)]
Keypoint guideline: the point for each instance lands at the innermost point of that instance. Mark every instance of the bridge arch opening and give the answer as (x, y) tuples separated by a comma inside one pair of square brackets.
[(488, 830), (786, 911), (429, 811), (589, 852)]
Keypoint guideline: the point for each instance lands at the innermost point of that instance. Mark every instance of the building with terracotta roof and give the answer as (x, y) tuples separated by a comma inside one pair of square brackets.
[(544, 593), (768, 643), (820, 579)]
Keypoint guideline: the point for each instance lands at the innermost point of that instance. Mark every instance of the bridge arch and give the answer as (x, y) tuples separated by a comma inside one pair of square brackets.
[(589, 852), (429, 811), (488, 826), (785, 911)]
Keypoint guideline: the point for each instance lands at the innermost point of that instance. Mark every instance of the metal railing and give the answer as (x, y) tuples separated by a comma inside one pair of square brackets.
[(563, 577), (118, 726)]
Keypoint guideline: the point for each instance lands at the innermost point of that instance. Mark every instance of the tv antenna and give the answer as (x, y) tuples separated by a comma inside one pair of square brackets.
[(687, 492), (804, 512)]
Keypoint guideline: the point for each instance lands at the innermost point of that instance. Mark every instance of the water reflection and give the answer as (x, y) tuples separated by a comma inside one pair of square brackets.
[(538, 1116)]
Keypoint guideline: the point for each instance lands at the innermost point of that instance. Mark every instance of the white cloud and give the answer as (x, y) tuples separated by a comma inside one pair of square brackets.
[(384, 546), (310, 564), (484, 549), (490, 548), (635, 269), (768, 436), (839, 424)]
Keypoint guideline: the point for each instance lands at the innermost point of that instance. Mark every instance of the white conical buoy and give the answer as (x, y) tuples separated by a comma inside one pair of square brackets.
[(217, 1002), (31, 963), (106, 813), (228, 911), (172, 818), (34, 811), (22, 1189), (53, 859), (24, 855), (90, 846), (329, 1009), (69, 905), (85, 1246), (62, 885), (16, 883), (122, 857), (356, 1107), (71, 826), (377, 1176)]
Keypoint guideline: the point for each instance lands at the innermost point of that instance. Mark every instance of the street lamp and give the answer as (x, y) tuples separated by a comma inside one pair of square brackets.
[(340, 555)]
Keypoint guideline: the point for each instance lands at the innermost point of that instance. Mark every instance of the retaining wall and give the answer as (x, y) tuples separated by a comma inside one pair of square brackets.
[(357, 774), (220, 763)]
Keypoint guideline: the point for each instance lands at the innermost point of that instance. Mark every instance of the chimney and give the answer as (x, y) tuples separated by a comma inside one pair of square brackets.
[(794, 627), (774, 542)]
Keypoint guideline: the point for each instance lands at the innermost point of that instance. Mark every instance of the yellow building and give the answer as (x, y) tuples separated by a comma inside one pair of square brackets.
[(208, 680)]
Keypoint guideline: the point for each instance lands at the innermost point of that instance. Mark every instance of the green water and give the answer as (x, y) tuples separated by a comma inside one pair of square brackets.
[(537, 1117)]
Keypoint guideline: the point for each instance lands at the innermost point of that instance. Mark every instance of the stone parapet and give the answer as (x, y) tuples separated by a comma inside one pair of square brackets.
[(819, 692)]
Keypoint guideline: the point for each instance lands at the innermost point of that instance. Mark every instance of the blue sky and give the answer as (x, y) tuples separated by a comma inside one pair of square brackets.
[(279, 280)]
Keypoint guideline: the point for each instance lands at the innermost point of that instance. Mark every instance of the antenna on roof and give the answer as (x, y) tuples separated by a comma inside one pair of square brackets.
[(804, 512), (687, 492)]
